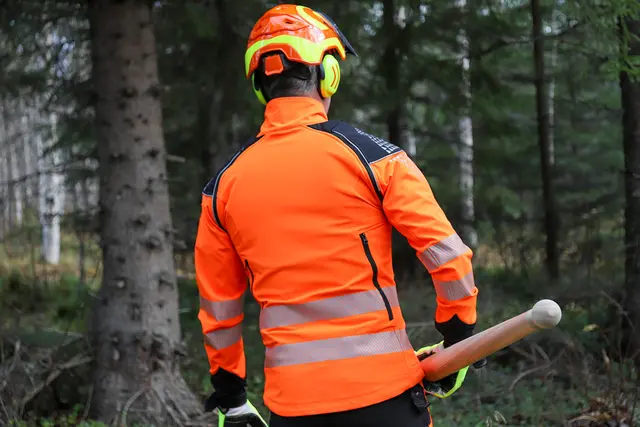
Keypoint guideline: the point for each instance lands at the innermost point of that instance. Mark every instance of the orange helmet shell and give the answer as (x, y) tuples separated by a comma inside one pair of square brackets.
[(300, 33)]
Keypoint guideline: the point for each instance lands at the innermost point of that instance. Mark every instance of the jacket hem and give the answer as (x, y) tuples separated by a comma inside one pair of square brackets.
[(391, 389)]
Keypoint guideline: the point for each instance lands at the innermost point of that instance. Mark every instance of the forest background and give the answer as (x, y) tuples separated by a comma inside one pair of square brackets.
[(523, 116)]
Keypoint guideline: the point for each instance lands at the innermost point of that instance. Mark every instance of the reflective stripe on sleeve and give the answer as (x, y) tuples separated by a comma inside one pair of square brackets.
[(223, 310), (223, 338), (442, 252), (455, 289)]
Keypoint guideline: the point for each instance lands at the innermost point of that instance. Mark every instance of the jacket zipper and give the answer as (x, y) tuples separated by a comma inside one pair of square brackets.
[(250, 278), (374, 267)]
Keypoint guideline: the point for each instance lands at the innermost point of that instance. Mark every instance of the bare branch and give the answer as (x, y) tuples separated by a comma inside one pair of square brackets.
[(78, 360)]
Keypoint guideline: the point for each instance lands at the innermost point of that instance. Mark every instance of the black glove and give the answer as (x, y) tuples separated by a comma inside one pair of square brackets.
[(230, 402), (455, 330)]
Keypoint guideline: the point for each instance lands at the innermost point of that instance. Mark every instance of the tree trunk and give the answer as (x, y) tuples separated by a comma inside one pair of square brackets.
[(630, 91), (17, 180), (136, 328), (405, 263), (223, 139), (465, 128), (546, 167), (81, 225), (4, 177), (30, 159), (42, 187), (391, 69), (51, 197), (552, 84), (8, 164), (12, 147)]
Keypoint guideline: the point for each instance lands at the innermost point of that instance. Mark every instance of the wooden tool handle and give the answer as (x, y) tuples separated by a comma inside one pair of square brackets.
[(545, 314)]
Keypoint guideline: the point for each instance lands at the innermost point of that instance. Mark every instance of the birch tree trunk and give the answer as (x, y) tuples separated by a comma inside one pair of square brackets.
[(17, 178), (136, 328), (51, 182), (56, 196), (30, 157), (12, 146), (465, 128), (42, 192), (4, 178), (552, 84), (51, 193), (10, 172)]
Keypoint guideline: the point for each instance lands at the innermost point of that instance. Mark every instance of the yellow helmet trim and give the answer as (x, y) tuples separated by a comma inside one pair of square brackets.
[(310, 52), (310, 19)]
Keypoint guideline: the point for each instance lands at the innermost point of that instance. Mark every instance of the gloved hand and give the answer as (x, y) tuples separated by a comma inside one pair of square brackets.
[(243, 416), (446, 386), (240, 412)]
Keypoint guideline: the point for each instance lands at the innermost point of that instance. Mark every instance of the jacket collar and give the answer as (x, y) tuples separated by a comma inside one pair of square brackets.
[(288, 112)]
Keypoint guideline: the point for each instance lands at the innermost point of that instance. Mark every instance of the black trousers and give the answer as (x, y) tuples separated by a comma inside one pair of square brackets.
[(409, 409)]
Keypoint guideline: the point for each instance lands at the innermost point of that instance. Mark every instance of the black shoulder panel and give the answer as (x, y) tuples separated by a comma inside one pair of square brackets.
[(372, 147), (208, 190), (211, 189), (368, 148)]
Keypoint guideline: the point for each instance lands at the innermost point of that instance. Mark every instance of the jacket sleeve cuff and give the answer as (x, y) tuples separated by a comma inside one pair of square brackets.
[(454, 330), (230, 390)]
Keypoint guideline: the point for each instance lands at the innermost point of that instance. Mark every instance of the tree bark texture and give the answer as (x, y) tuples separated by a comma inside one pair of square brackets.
[(4, 177), (136, 327), (630, 92), (544, 142)]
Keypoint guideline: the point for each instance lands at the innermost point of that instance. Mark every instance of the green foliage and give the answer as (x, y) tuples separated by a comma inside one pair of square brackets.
[(518, 387), (607, 32), (71, 419), (209, 108)]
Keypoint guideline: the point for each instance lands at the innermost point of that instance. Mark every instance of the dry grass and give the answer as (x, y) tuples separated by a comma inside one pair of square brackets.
[(555, 378), (21, 254)]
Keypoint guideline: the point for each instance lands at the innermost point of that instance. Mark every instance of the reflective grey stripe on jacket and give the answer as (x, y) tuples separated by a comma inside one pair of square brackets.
[(328, 308), (337, 348), (333, 348)]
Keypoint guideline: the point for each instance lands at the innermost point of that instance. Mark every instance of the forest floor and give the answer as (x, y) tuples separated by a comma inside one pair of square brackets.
[(569, 376)]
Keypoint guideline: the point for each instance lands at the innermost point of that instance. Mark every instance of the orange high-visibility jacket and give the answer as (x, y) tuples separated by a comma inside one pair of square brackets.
[(303, 215)]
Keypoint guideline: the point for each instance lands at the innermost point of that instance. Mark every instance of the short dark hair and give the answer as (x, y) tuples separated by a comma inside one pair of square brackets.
[(298, 80)]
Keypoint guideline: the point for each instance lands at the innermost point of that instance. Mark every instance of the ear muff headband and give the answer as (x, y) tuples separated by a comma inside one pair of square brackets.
[(257, 90)]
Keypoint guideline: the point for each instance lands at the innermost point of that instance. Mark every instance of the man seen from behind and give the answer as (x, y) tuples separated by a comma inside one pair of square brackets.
[(302, 217)]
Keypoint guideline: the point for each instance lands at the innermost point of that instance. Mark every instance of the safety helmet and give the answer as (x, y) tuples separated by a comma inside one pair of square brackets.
[(290, 33)]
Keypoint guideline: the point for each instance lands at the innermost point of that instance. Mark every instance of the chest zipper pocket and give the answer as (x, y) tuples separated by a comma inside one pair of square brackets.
[(250, 277), (374, 268)]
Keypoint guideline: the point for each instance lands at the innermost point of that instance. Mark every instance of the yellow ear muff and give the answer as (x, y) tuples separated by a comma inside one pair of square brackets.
[(257, 90), (329, 84)]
